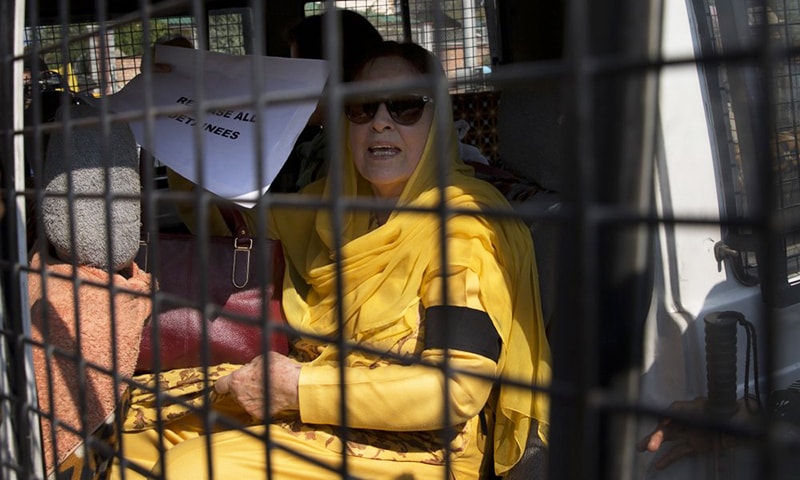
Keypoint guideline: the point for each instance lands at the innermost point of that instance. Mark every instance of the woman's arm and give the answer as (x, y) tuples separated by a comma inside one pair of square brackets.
[(393, 397), (407, 398), (398, 397)]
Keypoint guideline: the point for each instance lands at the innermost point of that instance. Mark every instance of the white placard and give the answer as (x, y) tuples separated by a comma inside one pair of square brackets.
[(229, 136)]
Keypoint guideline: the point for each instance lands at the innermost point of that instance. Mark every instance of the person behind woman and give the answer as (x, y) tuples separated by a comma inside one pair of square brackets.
[(306, 39), (395, 321)]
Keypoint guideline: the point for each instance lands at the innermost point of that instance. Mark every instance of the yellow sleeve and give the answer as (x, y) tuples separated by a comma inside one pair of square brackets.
[(463, 287), (397, 397), (401, 397)]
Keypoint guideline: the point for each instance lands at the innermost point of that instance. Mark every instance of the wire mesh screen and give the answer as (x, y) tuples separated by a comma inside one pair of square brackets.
[(86, 69), (565, 218), (774, 24), (462, 44), (91, 66), (783, 23), (95, 323)]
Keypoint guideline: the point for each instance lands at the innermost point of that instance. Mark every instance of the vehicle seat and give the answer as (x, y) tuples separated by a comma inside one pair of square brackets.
[(530, 130), (530, 145)]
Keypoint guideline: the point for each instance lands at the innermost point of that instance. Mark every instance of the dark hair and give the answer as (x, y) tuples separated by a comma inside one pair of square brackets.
[(359, 37), (418, 57)]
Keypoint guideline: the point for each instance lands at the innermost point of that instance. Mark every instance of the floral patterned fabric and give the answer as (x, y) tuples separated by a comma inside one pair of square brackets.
[(184, 392)]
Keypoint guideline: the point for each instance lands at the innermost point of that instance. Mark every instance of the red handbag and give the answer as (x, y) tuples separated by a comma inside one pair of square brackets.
[(231, 293)]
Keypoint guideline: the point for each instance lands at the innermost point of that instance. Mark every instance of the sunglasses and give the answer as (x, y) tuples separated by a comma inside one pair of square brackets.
[(404, 109)]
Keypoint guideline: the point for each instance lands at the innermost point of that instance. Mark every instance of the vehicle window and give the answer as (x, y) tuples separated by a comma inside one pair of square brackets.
[(464, 47), (89, 65), (94, 66), (744, 143)]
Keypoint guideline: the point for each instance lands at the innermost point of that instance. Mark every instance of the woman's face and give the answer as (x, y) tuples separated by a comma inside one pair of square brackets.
[(386, 153)]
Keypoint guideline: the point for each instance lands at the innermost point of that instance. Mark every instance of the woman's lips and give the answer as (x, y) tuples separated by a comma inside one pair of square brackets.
[(383, 150)]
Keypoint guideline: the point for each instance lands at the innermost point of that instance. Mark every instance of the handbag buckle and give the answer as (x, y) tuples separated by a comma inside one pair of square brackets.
[(241, 254)]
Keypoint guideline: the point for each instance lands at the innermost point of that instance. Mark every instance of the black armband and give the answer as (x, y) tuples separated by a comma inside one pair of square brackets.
[(462, 328)]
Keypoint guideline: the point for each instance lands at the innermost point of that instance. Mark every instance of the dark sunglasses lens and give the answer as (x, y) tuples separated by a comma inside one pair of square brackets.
[(407, 110), (361, 112)]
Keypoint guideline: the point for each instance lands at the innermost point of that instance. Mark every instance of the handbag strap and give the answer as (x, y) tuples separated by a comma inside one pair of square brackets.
[(242, 245), (235, 221), (242, 240)]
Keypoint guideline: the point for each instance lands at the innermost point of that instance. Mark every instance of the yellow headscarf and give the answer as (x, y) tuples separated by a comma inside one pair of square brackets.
[(384, 269)]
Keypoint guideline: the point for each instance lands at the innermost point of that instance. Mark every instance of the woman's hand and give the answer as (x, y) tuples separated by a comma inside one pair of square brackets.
[(246, 385)]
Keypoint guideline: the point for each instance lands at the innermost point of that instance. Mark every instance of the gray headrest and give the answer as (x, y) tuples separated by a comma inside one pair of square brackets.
[(82, 164)]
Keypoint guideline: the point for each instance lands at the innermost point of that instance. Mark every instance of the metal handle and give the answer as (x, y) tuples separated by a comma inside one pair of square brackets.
[(720, 330)]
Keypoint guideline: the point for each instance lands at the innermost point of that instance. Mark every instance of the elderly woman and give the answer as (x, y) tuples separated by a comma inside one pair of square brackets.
[(394, 317)]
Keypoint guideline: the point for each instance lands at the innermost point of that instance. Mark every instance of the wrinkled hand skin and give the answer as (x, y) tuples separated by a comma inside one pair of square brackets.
[(686, 440), (246, 385)]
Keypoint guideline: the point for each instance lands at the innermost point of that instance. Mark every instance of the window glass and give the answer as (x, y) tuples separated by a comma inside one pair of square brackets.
[(754, 152), (461, 42), (95, 66)]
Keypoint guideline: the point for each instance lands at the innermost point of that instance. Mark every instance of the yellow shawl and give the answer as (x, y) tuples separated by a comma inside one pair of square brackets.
[(383, 270)]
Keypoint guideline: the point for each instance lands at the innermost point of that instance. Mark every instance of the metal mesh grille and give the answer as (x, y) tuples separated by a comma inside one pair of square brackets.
[(582, 180), (95, 59), (775, 23), (84, 72), (88, 70), (463, 45)]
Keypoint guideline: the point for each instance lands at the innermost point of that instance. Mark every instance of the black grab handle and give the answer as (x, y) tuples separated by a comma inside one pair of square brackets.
[(720, 329)]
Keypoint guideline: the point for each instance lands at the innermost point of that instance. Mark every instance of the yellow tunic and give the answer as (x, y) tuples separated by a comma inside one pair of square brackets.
[(378, 398), (389, 276)]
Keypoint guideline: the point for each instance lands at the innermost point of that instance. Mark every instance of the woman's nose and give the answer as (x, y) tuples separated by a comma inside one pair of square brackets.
[(382, 120)]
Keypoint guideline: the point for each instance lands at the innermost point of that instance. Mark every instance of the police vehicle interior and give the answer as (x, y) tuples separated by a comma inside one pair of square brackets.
[(650, 145)]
